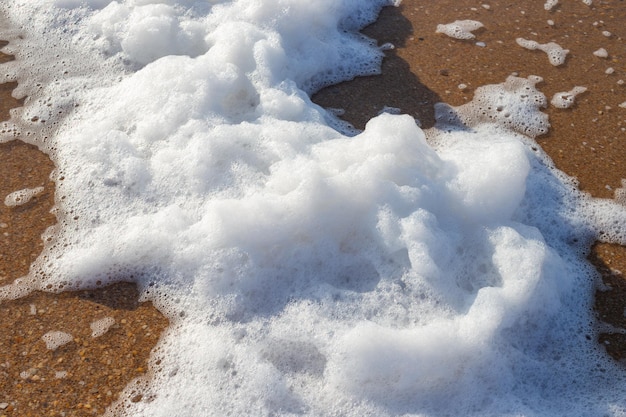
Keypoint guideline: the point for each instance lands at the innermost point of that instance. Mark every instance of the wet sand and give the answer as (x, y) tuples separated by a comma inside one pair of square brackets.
[(87, 374)]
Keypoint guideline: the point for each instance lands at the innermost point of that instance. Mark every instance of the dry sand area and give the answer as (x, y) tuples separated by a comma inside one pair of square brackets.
[(86, 373)]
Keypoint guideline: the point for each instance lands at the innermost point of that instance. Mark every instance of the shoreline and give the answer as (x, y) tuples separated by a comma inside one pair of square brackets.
[(585, 142)]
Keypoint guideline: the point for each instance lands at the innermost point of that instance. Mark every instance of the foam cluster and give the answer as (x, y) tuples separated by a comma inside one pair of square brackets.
[(601, 53), (460, 29), (101, 326), (21, 197), (512, 104), (565, 99), (550, 4), (55, 339), (556, 54), (306, 272)]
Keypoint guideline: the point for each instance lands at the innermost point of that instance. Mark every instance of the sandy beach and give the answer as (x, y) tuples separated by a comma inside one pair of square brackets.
[(86, 374)]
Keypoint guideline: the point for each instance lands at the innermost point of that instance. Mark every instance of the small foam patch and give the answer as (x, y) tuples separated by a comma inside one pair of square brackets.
[(101, 326), (55, 339), (566, 99), (21, 197), (556, 54), (460, 29)]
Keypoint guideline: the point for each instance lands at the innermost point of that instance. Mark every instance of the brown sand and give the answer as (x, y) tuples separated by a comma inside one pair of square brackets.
[(586, 142)]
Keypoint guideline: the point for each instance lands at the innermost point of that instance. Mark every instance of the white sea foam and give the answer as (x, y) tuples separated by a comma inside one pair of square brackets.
[(601, 53), (396, 272), (566, 99), (556, 54), (101, 326), (55, 339), (21, 197), (459, 29), (550, 4)]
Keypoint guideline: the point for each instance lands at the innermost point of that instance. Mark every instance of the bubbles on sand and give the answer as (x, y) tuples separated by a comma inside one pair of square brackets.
[(55, 339), (397, 272), (101, 326), (556, 54), (21, 197), (565, 99), (460, 29)]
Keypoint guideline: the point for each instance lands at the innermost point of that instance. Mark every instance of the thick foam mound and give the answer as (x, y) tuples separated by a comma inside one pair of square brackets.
[(305, 272)]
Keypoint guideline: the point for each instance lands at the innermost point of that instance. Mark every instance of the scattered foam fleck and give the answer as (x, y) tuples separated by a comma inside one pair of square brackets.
[(620, 193), (100, 327), (565, 99), (601, 53), (21, 197), (607, 33), (459, 29), (556, 54), (550, 4), (55, 339), (609, 71)]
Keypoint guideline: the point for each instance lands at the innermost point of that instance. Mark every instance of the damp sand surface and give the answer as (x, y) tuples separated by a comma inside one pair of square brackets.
[(87, 374)]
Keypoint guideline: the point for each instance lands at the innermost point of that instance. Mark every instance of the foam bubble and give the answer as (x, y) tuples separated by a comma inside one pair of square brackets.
[(101, 326), (601, 53), (620, 193), (55, 339), (459, 29), (550, 4), (21, 197), (513, 104), (556, 54), (565, 99)]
